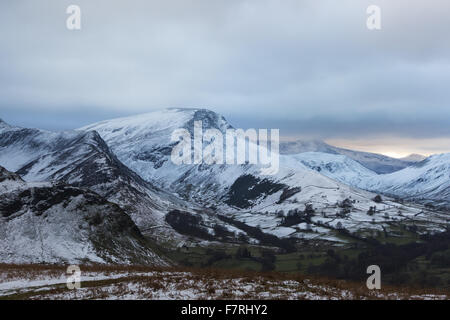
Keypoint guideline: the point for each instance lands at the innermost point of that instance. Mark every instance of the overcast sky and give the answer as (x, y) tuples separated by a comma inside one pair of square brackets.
[(310, 68)]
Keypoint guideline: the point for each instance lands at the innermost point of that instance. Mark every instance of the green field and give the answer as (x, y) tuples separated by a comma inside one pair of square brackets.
[(312, 257)]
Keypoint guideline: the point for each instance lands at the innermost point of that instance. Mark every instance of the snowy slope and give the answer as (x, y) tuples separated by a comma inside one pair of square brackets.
[(376, 162), (337, 167), (83, 159), (143, 144), (57, 223), (426, 180)]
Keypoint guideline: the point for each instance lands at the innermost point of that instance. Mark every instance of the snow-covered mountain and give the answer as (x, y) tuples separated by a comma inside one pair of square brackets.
[(143, 143), (57, 223), (426, 180), (376, 162), (338, 167), (83, 159)]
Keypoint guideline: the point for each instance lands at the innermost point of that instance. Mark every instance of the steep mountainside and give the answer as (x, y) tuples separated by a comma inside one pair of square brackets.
[(143, 144), (83, 159), (58, 223)]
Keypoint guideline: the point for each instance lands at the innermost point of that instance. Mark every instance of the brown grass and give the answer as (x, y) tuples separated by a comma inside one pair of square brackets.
[(268, 282)]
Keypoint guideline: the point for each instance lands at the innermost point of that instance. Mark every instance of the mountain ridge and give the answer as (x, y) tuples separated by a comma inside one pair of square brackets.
[(373, 161), (83, 159), (427, 181)]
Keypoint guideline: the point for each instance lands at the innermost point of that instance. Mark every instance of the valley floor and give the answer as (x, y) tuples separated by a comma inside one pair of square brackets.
[(108, 282)]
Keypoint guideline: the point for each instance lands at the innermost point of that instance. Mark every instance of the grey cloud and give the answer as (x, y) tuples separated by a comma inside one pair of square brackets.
[(308, 67)]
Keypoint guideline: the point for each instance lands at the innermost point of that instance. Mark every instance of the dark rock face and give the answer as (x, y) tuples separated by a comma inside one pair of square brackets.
[(157, 155), (10, 176), (209, 120), (248, 188), (38, 200), (188, 224)]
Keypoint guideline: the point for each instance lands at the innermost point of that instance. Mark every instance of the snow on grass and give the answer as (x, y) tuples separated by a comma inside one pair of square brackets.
[(182, 285)]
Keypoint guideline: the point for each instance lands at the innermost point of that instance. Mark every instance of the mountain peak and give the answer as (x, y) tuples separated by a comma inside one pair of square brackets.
[(7, 175), (373, 161), (210, 119), (157, 124), (3, 124)]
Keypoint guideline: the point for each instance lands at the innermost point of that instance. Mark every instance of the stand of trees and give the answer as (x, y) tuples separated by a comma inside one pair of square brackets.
[(395, 261), (188, 224), (294, 217)]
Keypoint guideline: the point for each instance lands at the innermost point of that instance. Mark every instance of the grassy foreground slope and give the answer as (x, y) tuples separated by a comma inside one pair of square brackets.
[(114, 282)]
